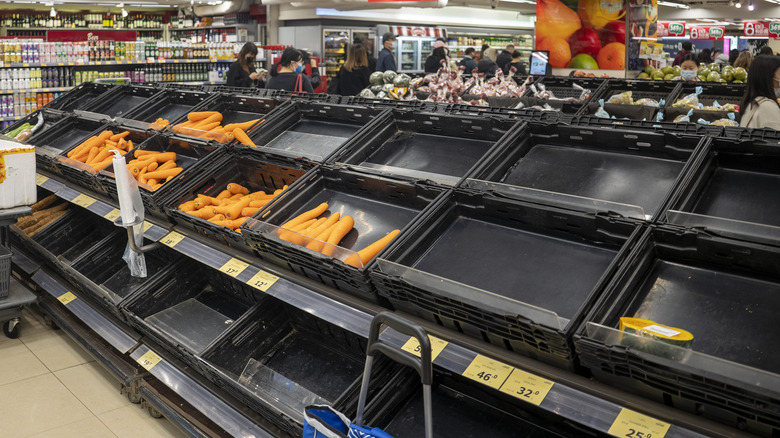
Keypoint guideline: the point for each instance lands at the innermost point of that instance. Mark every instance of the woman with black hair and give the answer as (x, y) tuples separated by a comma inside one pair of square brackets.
[(287, 74), (314, 77), (433, 62), (759, 107), (242, 72)]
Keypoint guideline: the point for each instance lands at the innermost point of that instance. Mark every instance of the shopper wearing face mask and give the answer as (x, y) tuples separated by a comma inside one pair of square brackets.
[(760, 107), (386, 60), (689, 69), (242, 72), (287, 74)]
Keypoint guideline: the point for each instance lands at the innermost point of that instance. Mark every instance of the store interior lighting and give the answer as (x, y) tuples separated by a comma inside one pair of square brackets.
[(750, 6), (738, 5), (674, 5), (527, 2)]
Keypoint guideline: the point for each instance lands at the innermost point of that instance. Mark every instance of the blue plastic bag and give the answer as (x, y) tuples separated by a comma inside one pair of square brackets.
[(321, 421)]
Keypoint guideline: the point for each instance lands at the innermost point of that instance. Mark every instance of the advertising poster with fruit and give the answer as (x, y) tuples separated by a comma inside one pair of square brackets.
[(642, 27), (582, 34)]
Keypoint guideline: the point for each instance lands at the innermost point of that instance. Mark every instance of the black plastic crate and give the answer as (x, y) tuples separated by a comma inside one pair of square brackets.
[(722, 93), (68, 238), (188, 308), (184, 87), (526, 114), (517, 275), (733, 191), (661, 127), (626, 172), (280, 359), (84, 175), (312, 131), (232, 165), (171, 105), (438, 149), (237, 91), (237, 109), (766, 134), (657, 90), (122, 101), (82, 96), (562, 88), (726, 293), (304, 96), (61, 137), (105, 277), (50, 117), (377, 205), (188, 152), (412, 105)]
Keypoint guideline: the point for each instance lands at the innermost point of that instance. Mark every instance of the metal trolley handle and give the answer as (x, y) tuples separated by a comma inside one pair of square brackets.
[(423, 365)]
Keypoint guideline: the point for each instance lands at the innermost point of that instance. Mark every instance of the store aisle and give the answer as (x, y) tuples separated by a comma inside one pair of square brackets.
[(50, 387)]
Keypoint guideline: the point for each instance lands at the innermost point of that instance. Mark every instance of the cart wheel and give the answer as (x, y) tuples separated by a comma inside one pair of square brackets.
[(11, 328), (154, 412), (132, 396), (50, 322)]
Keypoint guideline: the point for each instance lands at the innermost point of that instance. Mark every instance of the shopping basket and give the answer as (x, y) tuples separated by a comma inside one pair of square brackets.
[(322, 421)]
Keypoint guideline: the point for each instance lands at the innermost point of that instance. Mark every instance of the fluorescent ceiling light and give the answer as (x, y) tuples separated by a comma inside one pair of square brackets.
[(527, 2), (673, 5)]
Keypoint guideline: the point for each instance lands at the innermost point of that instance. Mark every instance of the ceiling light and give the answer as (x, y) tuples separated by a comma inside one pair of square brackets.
[(527, 2), (750, 6), (673, 5), (53, 12), (738, 5), (120, 5)]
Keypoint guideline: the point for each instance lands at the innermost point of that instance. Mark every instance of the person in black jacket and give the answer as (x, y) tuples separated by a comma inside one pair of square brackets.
[(354, 74), (505, 58), (314, 77), (369, 56), (433, 62), (517, 63), (242, 72), (487, 64), (286, 73), (468, 61)]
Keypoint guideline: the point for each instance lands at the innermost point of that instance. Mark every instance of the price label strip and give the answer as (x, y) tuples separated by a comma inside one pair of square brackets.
[(234, 267), (527, 387), (83, 200), (488, 371), (171, 239), (40, 179), (262, 281), (631, 424), (66, 298), (112, 215), (149, 360), (147, 225), (413, 346)]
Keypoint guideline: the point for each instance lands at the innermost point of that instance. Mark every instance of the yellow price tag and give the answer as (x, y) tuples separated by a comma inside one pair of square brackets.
[(26, 64), (262, 281), (147, 225), (527, 387), (98, 63), (40, 179), (66, 298), (60, 64), (43, 64), (413, 346), (149, 360), (234, 267), (171, 239), (83, 200), (46, 90), (112, 215), (488, 371), (175, 61), (632, 424)]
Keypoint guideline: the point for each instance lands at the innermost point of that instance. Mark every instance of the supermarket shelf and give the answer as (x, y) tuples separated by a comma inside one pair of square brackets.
[(551, 390), (11, 118), (229, 26), (197, 83), (37, 90), (96, 63), (156, 29)]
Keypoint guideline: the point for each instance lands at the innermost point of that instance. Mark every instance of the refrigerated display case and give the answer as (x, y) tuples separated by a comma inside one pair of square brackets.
[(335, 44), (411, 53)]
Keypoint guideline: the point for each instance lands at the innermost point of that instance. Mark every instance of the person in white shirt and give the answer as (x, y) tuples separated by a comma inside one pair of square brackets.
[(760, 107)]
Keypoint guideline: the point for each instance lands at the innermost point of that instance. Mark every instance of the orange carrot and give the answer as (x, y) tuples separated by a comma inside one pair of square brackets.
[(116, 137), (303, 217), (321, 228), (242, 137), (162, 174), (366, 254), (343, 227), (234, 211), (196, 116), (242, 126), (237, 189), (249, 211), (224, 194)]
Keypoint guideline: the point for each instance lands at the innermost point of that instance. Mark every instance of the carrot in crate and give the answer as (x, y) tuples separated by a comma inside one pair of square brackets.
[(366, 254)]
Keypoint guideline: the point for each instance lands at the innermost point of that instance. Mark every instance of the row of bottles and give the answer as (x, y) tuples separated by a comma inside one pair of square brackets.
[(183, 50), (26, 78), (88, 21), (22, 104), (206, 35), (182, 73)]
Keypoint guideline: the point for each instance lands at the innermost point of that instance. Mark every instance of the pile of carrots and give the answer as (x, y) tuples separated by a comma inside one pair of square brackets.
[(231, 207), (160, 123), (45, 211), (96, 150), (311, 230), (208, 125), (154, 168)]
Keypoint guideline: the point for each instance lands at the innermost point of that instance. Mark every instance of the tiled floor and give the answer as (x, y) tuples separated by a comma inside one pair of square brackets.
[(51, 387)]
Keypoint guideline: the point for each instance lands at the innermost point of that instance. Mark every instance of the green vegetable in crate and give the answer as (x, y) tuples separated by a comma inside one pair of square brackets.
[(376, 88), (658, 332), (377, 78), (387, 88), (389, 76), (402, 81), (19, 129), (367, 94), (740, 74)]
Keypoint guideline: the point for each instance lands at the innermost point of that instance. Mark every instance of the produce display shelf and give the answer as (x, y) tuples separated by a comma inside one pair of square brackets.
[(553, 391), (197, 396), (37, 90)]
